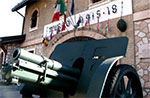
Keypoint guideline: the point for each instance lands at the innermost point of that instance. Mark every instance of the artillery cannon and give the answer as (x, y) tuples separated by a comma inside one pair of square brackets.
[(78, 69)]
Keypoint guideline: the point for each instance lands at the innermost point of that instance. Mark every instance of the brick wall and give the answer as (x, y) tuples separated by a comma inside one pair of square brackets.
[(10, 48)]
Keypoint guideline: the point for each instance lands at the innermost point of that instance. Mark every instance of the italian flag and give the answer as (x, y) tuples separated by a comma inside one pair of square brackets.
[(60, 9)]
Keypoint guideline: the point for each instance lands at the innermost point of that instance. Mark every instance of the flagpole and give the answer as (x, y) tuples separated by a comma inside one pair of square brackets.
[(73, 23)]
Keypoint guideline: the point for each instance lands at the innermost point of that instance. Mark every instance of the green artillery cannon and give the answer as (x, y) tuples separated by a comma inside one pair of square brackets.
[(77, 69)]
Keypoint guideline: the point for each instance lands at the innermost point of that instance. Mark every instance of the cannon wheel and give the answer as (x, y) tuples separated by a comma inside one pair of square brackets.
[(123, 82)]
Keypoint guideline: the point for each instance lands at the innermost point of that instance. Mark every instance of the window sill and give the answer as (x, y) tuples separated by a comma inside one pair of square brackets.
[(33, 29)]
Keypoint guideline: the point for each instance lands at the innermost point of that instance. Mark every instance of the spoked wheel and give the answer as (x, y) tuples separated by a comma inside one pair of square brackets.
[(123, 82)]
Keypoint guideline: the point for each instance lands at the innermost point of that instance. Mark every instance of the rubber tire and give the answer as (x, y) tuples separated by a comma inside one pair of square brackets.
[(115, 77)]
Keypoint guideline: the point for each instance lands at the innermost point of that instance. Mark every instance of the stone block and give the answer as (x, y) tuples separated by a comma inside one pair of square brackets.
[(145, 40), (140, 72), (144, 51), (141, 34), (146, 78)]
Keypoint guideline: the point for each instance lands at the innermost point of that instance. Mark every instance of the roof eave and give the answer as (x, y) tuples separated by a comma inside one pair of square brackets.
[(11, 39), (22, 4)]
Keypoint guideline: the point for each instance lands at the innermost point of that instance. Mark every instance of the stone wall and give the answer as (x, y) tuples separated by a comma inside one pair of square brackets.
[(46, 10), (142, 47), (140, 5)]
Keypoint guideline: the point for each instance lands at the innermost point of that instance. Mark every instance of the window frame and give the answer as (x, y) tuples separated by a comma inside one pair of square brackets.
[(31, 49), (96, 1), (94, 5), (37, 20)]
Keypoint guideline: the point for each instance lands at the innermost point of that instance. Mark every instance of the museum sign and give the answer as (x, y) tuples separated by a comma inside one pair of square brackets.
[(92, 16)]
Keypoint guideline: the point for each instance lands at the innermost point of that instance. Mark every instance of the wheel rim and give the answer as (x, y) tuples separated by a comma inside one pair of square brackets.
[(123, 82), (125, 88)]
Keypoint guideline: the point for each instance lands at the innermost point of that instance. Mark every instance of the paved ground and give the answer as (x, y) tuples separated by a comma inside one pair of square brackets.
[(8, 91)]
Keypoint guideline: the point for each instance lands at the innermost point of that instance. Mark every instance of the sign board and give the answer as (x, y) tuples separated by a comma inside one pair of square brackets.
[(98, 14)]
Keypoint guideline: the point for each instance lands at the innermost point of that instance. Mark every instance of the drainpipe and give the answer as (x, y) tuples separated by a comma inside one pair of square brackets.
[(23, 21)]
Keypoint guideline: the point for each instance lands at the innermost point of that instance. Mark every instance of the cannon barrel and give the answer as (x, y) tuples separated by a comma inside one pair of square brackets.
[(24, 76), (33, 68), (40, 60)]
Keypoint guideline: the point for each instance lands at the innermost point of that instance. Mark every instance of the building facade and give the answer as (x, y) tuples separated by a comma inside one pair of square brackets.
[(105, 16), (7, 45)]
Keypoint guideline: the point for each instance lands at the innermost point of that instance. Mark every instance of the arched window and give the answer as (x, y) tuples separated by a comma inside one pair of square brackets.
[(34, 19)]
